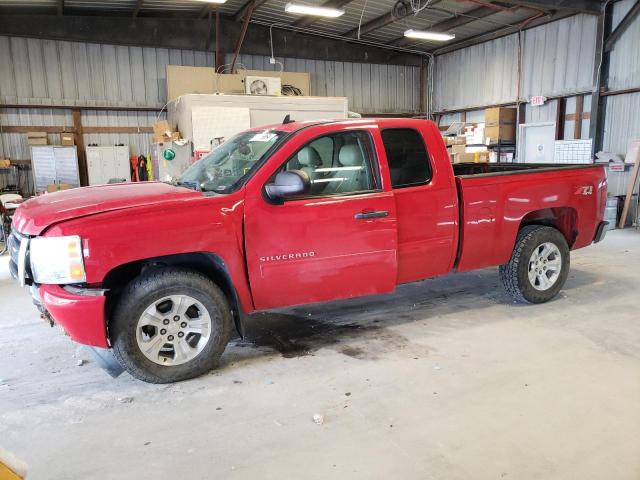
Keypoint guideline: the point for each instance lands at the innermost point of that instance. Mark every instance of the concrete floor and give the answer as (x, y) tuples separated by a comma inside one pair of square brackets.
[(446, 379)]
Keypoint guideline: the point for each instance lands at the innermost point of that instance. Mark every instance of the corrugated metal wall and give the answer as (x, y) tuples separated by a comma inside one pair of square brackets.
[(622, 122), (370, 88), (69, 73), (558, 57), (557, 60), (622, 114), (483, 74), (624, 66)]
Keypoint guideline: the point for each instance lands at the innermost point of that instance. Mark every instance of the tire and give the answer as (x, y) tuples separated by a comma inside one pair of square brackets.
[(190, 302), (520, 277)]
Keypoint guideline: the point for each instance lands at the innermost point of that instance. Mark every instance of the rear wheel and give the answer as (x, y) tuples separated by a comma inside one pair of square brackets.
[(170, 324), (539, 265)]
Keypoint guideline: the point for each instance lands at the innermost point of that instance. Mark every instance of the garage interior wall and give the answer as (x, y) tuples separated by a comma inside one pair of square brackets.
[(557, 60), (621, 112), (53, 72)]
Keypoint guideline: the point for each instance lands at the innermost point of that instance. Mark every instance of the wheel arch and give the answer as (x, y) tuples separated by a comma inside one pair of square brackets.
[(208, 264), (564, 219)]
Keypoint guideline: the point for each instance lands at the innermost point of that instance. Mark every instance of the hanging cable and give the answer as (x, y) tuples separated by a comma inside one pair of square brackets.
[(361, 15)]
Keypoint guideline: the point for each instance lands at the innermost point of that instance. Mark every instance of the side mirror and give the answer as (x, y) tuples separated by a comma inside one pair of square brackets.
[(288, 184)]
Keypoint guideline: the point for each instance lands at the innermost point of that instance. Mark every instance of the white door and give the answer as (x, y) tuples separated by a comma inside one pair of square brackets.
[(536, 143)]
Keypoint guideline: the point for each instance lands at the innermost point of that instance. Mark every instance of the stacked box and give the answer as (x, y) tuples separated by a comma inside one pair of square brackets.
[(500, 124)]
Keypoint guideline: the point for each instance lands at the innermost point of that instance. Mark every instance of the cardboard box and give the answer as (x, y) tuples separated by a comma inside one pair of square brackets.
[(166, 138), (481, 157), (477, 148), (37, 138), (67, 139), (55, 187), (458, 149), (464, 158), (161, 127), (458, 140), (500, 133), (182, 80), (500, 116)]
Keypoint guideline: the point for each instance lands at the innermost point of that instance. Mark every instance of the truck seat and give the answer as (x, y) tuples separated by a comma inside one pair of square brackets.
[(351, 174), (309, 160)]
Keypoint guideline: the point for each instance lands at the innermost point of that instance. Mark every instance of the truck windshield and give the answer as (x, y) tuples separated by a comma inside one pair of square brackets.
[(227, 165)]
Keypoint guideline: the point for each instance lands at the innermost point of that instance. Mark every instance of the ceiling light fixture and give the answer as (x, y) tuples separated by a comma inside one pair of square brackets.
[(312, 10), (212, 1), (424, 35)]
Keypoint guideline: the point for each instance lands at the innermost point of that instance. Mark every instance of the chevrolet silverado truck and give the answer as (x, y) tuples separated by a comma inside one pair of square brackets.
[(290, 214)]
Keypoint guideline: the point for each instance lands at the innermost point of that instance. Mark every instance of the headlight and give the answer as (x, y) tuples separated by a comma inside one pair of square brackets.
[(57, 260)]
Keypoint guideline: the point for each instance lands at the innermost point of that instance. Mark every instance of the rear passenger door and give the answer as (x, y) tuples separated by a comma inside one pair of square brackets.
[(338, 241), (426, 202)]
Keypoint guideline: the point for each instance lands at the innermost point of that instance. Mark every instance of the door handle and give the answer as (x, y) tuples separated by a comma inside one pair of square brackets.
[(371, 214)]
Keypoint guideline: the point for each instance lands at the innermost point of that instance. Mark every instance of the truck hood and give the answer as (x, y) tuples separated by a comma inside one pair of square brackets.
[(37, 214)]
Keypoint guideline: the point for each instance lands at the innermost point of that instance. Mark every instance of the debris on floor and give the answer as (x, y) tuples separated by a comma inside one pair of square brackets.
[(80, 362), (125, 399), (319, 419)]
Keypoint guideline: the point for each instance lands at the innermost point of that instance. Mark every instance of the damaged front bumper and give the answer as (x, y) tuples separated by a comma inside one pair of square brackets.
[(79, 311)]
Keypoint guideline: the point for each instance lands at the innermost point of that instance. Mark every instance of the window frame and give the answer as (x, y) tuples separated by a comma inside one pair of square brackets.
[(426, 151), (372, 159)]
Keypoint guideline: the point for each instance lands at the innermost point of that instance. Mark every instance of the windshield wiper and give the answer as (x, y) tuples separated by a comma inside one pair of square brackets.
[(192, 185)]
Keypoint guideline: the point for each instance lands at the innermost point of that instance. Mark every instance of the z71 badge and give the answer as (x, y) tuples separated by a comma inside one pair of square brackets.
[(586, 190)]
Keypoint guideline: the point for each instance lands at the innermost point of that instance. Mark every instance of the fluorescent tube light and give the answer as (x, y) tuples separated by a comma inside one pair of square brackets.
[(212, 1), (424, 35), (312, 10)]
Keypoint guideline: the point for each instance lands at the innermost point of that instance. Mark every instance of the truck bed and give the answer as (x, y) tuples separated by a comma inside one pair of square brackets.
[(496, 200)]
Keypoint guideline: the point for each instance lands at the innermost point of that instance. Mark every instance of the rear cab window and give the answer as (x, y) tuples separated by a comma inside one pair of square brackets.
[(407, 157)]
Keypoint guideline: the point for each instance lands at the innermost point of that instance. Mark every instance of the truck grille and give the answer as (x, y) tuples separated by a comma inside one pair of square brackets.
[(13, 243)]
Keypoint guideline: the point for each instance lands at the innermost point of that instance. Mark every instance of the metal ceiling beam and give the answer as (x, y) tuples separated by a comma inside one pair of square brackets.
[(628, 19), (137, 8), (250, 5), (602, 60), (455, 22), (575, 6), (383, 20), (309, 19), (195, 34)]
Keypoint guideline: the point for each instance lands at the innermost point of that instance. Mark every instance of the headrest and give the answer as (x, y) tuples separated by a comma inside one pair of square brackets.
[(309, 157), (350, 156)]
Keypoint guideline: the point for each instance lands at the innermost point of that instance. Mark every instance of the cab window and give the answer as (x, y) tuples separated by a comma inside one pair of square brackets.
[(340, 163), (407, 157)]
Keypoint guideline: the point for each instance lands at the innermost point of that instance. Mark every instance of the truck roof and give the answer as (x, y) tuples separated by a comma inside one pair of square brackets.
[(295, 126)]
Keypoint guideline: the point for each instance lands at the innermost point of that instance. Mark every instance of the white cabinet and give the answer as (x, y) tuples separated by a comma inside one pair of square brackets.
[(53, 164), (105, 163)]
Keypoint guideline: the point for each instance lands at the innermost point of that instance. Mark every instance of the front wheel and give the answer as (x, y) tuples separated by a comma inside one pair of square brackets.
[(539, 265), (170, 324)]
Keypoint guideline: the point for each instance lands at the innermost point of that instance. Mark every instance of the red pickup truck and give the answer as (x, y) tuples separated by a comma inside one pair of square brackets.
[(291, 214)]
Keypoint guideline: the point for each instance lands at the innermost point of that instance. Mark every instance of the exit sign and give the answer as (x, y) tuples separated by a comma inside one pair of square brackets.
[(537, 100)]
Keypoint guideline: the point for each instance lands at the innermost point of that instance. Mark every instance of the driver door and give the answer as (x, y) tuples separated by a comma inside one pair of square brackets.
[(337, 241)]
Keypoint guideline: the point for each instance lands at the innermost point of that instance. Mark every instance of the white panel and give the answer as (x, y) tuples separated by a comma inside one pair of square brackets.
[(211, 123)]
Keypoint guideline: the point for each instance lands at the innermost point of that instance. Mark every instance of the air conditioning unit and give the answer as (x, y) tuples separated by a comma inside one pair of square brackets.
[(262, 85)]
